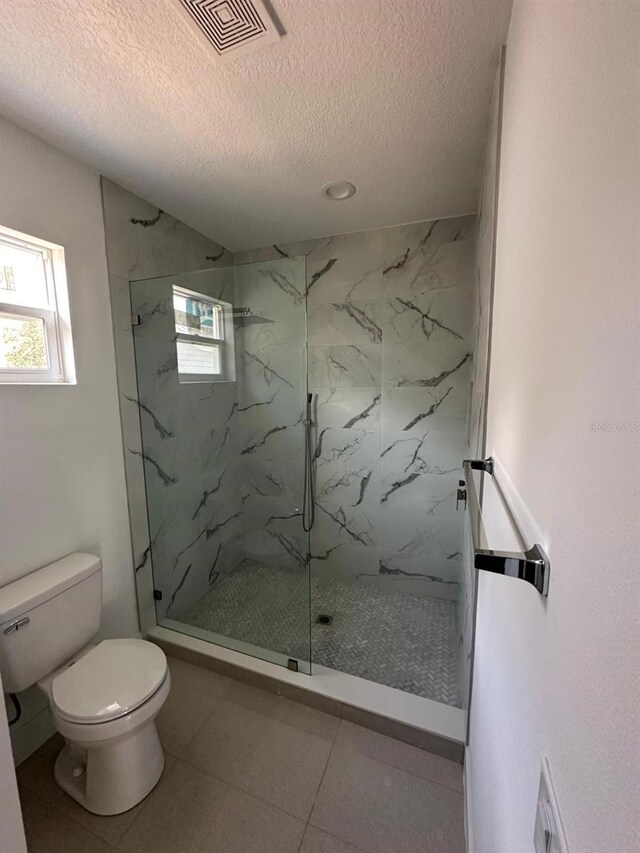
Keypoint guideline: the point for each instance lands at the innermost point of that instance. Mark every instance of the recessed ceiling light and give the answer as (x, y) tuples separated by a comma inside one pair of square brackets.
[(338, 190)]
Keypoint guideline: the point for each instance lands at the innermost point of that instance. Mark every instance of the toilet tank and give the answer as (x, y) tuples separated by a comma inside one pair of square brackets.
[(48, 616)]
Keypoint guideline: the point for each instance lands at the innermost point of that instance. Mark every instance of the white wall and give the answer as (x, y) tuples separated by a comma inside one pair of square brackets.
[(61, 462), (560, 677), (11, 829)]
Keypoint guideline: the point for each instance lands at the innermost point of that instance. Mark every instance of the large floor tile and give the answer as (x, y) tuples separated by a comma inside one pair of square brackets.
[(278, 763), (191, 812), (185, 674), (453, 750), (35, 775), (183, 713), (401, 755), (380, 808), (287, 711), (48, 830), (316, 841)]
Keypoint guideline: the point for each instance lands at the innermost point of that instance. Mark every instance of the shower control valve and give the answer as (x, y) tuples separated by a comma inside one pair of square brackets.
[(461, 494)]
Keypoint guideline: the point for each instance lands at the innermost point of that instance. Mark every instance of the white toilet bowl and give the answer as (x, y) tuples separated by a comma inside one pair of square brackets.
[(104, 704)]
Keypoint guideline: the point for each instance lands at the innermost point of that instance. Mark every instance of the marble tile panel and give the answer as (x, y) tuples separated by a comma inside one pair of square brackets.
[(429, 268), (273, 533), (422, 574), (262, 373), (345, 268), (270, 287), (396, 242), (348, 408), (415, 410), (408, 366), (406, 455), (342, 560), (347, 468), (143, 241), (345, 366), (425, 339), (339, 323), (423, 510), (337, 525), (295, 249)]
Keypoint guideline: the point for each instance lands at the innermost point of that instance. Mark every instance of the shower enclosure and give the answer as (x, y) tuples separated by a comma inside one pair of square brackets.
[(221, 364), (266, 381)]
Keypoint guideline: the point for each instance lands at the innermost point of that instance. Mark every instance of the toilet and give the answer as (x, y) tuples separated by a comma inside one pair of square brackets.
[(104, 697)]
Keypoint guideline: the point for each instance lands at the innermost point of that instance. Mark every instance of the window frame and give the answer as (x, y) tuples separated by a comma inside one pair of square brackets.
[(217, 343), (55, 316)]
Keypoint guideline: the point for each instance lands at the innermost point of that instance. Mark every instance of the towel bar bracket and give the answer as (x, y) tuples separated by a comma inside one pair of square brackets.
[(480, 464), (532, 566)]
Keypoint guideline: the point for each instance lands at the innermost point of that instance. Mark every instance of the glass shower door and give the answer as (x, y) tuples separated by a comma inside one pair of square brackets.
[(221, 369)]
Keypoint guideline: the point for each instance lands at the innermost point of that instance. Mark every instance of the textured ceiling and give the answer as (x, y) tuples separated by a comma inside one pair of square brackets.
[(392, 95)]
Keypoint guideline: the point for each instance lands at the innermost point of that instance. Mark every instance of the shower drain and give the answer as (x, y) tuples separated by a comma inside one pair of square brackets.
[(323, 619)]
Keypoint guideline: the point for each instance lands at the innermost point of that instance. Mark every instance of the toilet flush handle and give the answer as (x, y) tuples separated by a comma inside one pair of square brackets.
[(15, 626)]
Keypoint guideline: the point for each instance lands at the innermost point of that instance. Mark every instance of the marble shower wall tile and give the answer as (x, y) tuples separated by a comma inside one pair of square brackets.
[(426, 338), (143, 242), (298, 249), (338, 323), (413, 410), (348, 408), (389, 359), (347, 471), (271, 369), (345, 366), (427, 268), (389, 318), (346, 268), (345, 561), (190, 445)]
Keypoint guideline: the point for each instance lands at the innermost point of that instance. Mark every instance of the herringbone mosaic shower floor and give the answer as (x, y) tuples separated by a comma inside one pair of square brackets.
[(405, 641)]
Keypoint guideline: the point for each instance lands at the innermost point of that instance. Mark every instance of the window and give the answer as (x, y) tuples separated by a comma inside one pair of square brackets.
[(35, 335), (204, 337)]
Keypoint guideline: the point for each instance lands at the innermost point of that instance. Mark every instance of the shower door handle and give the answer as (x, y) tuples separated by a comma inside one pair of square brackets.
[(308, 503)]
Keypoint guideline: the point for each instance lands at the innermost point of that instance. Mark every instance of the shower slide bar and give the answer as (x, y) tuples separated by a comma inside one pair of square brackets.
[(532, 566)]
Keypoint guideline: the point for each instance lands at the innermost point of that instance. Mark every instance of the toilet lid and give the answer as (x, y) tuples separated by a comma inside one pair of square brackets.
[(109, 681)]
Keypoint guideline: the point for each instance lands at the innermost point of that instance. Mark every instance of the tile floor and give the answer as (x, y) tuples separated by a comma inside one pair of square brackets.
[(251, 772), (405, 641)]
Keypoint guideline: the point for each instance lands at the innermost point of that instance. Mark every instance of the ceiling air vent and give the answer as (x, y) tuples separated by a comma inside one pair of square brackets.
[(233, 26)]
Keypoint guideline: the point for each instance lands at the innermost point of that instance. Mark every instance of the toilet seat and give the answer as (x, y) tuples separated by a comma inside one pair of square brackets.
[(109, 682)]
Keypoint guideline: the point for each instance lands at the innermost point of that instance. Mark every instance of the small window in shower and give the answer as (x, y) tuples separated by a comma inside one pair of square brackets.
[(204, 337)]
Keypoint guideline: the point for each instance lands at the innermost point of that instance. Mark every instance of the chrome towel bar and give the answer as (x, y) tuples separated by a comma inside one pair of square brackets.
[(532, 566)]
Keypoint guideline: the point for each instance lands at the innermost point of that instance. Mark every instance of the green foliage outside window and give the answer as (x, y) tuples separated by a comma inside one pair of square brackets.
[(27, 345)]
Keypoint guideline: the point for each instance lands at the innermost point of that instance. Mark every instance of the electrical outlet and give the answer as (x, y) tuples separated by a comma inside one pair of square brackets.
[(548, 835)]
